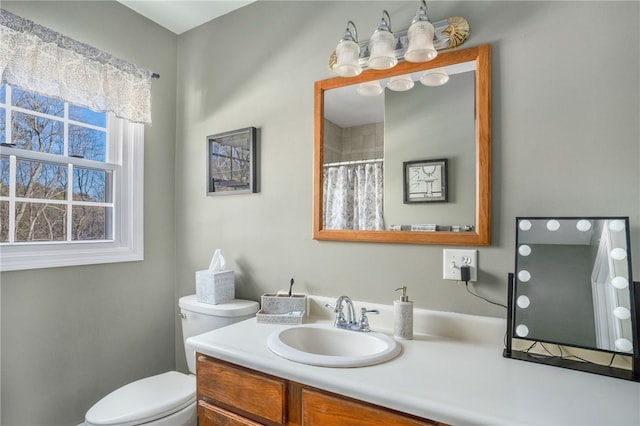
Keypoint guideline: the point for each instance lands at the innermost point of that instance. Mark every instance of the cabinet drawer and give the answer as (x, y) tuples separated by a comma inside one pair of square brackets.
[(241, 390), (319, 408), (210, 415)]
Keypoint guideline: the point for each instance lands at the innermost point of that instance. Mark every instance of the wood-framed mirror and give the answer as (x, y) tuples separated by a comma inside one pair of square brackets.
[(465, 218)]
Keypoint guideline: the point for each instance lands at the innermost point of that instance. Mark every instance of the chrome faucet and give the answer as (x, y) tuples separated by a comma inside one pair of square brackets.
[(349, 322)]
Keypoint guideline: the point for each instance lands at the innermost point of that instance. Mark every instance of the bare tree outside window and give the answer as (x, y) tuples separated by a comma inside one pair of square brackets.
[(53, 199)]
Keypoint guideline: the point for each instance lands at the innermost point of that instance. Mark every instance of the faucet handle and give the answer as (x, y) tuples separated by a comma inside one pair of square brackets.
[(364, 321), (337, 309)]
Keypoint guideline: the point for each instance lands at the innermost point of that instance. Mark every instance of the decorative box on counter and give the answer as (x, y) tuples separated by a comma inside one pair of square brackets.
[(282, 309), (215, 287)]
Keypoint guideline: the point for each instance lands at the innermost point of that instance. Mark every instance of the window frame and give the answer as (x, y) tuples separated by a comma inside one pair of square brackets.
[(125, 153)]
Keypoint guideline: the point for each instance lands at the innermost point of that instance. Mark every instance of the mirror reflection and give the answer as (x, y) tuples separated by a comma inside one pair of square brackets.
[(371, 132), (403, 155), (572, 282)]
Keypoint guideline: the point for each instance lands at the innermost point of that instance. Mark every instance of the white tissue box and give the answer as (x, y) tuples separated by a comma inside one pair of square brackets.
[(215, 287)]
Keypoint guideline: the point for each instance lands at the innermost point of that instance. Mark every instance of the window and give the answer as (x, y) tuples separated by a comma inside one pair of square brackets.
[(70, 184)]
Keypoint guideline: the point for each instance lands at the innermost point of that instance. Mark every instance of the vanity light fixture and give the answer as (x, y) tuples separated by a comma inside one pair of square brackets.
[(348, 53), (434, 77), (400, 83), (420, 43), (420, 37), (381, 45), (370, 88)]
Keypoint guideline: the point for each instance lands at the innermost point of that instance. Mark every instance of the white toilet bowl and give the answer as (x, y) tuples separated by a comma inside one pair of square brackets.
[(169, 399)]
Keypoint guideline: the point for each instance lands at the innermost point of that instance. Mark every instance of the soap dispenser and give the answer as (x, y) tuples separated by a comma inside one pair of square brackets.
[(403, 316)]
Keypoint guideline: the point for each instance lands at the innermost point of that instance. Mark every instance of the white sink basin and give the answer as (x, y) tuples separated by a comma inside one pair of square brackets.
[(326, 346)]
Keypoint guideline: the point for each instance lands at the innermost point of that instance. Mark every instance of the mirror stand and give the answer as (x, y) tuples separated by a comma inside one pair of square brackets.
[(558, 361)]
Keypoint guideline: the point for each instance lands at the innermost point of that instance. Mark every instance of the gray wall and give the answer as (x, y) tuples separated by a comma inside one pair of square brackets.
[(72, 335), (442, 126), (565, 141)]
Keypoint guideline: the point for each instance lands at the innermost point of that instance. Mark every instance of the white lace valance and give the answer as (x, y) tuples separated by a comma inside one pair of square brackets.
[(38, 59)]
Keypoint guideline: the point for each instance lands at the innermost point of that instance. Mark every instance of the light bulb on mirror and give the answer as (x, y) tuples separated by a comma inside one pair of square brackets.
[(524, 250), (622, 313), (524, 276), (522, 330), (616, 226), (618, 254), (624, 345), (620, 283), (523, 302), (524, 225), (553, 225), (583, 225)]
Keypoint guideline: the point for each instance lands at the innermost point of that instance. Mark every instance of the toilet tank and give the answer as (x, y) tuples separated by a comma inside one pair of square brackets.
[(198, 318)]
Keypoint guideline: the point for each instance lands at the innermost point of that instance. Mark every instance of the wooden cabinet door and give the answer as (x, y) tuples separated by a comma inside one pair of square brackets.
[(241, 390), (320, 408), (210, 415)]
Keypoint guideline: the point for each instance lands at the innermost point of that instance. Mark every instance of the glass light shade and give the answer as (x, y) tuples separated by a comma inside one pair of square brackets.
[(370, 88), (347, 55), (434, 77), (420, 36), (400, 83), (381, 47)]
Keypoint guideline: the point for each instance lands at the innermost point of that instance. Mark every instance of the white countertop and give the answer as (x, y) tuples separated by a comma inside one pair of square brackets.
[(452, 371)]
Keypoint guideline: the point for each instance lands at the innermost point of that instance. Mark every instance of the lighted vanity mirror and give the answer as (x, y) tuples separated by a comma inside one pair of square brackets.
[(380, 139), (573, 285)]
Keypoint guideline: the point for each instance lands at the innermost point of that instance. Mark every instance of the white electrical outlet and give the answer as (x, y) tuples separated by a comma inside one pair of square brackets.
[(453, 259)]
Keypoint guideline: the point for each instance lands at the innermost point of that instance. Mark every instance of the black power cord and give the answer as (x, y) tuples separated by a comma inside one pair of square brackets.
[(465, 275)]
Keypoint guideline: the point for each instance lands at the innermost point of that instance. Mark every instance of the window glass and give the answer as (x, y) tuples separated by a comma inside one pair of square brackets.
[(85, 115), (3, 126), (4, 221), (37, 133), (87, 143), (91, 185), (91, 223), (34, 102), (4, 176), (41, 222), (3, 93), (35, 179)]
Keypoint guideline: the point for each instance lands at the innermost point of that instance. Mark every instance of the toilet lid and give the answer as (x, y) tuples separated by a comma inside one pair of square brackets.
[(144, 400), (230, 309)]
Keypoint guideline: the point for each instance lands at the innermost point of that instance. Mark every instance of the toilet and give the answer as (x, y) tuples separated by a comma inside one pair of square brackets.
[(169, 399)]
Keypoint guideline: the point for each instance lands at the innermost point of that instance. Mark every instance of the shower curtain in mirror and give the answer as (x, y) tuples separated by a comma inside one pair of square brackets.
[(353, 197)]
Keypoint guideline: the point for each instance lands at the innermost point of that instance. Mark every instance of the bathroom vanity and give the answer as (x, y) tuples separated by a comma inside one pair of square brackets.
[(232, 395), (452, 372)]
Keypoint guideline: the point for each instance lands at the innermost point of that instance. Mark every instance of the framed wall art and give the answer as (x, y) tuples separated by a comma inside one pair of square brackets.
[(425, 181), (231, 165)]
